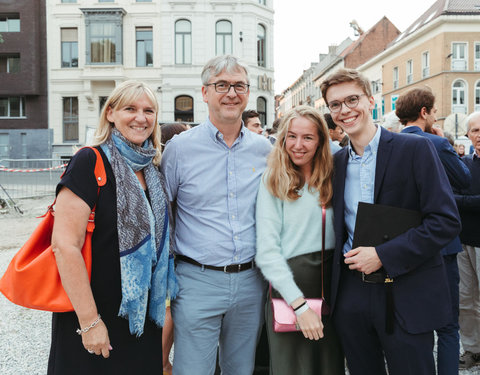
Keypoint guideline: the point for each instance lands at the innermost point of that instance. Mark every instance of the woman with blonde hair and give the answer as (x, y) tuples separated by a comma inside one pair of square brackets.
[(116, 325), (294, 188)]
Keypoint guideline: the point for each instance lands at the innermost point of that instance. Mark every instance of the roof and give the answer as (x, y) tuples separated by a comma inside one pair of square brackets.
[(440, 8)]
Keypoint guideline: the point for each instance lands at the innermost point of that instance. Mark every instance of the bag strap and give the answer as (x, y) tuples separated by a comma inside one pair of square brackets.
[(100, 177), (324, 217)]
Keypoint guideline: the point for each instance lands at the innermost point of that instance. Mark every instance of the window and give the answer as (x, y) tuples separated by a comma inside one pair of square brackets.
[(409, 71), (101, 102), (458, 97), (425, 64), (4, 146), (459, 58), (261, 45), (105, 1), (23, 142), (103, 35), (69, 1), (394, 99), (477, 97), (183, 42), (70, 119), (262, 2), (69, 47), (184, 108), (395, 77), (12, 107), (144, 1), (376, 86), (223, 31), (144, 46), (10, 63), (477, 56), (9, 23), (262, 110)]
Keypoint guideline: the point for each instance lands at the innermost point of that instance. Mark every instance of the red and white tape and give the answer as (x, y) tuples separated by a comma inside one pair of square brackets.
[(4, 169)]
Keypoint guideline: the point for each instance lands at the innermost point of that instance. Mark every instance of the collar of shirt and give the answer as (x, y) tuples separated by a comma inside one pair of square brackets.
[(217, 136), (371, 148)]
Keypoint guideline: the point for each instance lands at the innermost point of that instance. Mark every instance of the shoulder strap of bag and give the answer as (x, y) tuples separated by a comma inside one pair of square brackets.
[(100, 177)]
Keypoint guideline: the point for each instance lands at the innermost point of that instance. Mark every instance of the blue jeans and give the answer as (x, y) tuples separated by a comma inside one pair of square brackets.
[(216, 309), (448, 342)]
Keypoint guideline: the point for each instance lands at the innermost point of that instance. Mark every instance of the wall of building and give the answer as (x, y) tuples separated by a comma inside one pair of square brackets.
[(167, 78)]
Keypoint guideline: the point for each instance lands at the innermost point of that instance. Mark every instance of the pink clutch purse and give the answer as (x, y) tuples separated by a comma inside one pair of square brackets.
[(284, 318)]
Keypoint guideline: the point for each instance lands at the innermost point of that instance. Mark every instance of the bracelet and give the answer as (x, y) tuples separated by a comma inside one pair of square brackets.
[(301, 309), (86, 329), (299, 306)]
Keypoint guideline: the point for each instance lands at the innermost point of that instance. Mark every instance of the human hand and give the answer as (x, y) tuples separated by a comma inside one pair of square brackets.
[(363, 259), (437, 131), (310, 324), (96, 340)]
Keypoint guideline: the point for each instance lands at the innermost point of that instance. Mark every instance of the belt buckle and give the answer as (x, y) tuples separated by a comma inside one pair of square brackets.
[(364, 279), (225, 268)]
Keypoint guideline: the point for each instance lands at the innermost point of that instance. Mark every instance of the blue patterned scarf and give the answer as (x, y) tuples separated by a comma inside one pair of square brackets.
[(146, 264)]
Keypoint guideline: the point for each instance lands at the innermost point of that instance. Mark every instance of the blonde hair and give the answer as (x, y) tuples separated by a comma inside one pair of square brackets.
[(284, 178), (124, 94)]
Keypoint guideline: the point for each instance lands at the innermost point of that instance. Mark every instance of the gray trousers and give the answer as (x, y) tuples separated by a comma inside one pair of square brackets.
[(469, 319)]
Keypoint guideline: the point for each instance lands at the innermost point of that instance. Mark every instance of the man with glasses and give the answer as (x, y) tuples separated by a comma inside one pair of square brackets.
[(212, 172), (387, 299)]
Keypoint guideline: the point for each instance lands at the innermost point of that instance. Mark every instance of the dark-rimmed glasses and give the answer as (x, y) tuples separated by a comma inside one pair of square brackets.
[(224, 87), (350, 101)]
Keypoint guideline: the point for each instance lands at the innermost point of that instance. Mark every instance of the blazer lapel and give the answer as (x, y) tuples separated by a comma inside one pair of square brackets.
[(383, 156)]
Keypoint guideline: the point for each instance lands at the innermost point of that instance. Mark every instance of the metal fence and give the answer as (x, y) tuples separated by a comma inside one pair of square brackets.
[(27, 178)]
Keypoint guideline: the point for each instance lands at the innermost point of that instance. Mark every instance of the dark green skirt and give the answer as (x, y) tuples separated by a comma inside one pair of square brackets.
[(290, 352)]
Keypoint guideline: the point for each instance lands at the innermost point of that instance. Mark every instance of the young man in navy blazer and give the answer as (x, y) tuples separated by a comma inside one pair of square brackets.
[(400, 171)]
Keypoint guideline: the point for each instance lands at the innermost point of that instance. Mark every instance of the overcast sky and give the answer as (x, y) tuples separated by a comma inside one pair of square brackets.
[(305, 28)]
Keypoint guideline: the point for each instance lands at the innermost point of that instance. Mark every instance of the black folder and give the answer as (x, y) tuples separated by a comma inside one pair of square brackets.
[(377, 223)]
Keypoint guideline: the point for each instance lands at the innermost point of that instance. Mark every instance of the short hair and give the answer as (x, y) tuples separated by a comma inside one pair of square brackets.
[(248, 114), (275, 125), (471, 117), (330, 123), (217, 65), (125, 93), (346, 75), (410, 103), (171, 129)]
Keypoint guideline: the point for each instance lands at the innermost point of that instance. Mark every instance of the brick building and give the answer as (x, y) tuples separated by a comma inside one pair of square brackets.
[(24, 130)]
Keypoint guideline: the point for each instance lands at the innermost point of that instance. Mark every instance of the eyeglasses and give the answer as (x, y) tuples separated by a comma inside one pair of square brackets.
[(350, 101), (224, 87)]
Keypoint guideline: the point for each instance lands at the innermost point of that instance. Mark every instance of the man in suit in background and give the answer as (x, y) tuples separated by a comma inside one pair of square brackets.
[(417, 112), (400, 171)]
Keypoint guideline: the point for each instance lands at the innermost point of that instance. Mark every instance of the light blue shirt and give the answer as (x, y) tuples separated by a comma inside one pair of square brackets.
[(215, 188), (359, 183)]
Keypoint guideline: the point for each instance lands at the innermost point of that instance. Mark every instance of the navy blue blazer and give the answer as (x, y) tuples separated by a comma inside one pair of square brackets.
[(457, 172), (408, 175)]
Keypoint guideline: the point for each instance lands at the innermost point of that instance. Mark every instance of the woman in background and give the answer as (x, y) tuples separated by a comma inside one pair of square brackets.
[(168, 131), (295, 186)]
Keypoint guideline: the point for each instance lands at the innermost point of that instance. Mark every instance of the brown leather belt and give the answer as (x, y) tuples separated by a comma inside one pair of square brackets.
[(231, 268)]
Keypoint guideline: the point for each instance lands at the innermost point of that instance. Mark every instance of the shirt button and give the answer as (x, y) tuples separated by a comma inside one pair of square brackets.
[(231, 195), (235, 258), (364, 186), (236, 237), (230, 173), (233, 216)]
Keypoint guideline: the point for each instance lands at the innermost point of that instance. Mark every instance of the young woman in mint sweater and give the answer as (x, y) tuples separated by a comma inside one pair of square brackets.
[(294, 187)]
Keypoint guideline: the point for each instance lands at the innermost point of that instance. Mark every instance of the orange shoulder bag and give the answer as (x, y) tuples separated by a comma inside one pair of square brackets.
[(32, 279)]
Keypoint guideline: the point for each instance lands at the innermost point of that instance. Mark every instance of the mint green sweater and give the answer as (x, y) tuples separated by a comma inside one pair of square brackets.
[(287, 229)]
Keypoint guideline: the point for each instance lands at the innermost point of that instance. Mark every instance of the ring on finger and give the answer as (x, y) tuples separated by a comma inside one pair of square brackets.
[(90, 351)]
